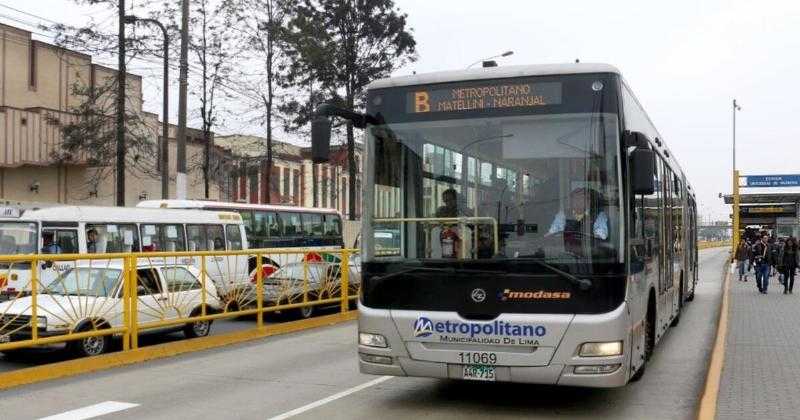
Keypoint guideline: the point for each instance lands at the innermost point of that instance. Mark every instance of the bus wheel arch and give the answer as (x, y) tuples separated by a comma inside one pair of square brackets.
[(677, 319), (650, 326)]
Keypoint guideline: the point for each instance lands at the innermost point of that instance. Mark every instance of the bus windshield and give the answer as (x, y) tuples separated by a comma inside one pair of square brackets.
[(542, 186)]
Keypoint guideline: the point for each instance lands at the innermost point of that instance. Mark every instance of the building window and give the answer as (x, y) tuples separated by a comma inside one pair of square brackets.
[(324, 198), (32, 66), (287, 193)]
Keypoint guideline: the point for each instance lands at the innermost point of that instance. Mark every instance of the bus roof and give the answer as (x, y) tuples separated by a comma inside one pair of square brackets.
[(200, 204), (98, 214), (492, 73)]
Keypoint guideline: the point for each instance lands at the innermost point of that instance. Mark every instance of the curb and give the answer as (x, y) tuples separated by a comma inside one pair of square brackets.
[(708, 401), (50, 371)]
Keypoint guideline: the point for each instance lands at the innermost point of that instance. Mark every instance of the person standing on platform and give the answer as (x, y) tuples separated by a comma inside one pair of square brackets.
[(789, 261), (762, 259), (743, 255)]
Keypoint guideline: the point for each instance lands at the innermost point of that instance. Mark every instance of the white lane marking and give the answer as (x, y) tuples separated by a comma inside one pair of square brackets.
[(333, 397), (92, 411)]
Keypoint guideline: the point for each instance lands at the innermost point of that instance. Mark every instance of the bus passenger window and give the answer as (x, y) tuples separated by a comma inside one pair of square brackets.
[(274, 225), (216, 238), (234, 237), (312, 224), (291, 223), (333, 225), (172, 236), (111, 238)]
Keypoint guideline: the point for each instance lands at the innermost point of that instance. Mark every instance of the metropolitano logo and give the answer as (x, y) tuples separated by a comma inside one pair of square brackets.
[(423, 327)]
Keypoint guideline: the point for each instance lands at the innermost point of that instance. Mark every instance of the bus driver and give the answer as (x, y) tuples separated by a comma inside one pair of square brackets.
[(579, 216)]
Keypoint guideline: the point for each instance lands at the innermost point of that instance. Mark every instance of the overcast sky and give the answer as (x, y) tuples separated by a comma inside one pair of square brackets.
[(685, 60)]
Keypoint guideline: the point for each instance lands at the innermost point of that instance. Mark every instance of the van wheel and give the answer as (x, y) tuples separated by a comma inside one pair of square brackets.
[(89, 346), (304, 312), (197, 328)]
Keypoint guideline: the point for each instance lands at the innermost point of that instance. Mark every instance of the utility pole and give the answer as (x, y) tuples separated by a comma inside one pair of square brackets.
[(121, 73), (180, 179), (735, 191)]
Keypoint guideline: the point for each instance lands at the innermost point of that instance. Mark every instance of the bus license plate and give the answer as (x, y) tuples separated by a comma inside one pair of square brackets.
[(479, 373), (5, 338)]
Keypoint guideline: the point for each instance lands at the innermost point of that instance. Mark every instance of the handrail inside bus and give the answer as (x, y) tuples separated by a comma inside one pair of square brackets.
[(458, 220)]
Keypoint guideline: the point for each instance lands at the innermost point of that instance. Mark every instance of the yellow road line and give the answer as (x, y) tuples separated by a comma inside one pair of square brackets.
[(68, 368), (708, 403)]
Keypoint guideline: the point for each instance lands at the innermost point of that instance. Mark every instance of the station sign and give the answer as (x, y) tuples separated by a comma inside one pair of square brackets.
[(768, 210), (773, 181)]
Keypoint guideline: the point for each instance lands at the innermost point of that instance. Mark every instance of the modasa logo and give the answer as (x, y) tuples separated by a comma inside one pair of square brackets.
[(423, 327), (509, 294)]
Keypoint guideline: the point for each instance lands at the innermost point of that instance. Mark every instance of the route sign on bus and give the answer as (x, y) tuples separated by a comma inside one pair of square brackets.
[(773, 181), (476, 96)]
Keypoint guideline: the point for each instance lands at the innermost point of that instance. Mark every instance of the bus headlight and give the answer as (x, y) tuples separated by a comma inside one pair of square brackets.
[(610, 348), (372, 340)]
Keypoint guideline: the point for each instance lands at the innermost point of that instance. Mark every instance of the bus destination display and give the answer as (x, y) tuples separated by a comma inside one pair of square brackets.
[(476, 97)]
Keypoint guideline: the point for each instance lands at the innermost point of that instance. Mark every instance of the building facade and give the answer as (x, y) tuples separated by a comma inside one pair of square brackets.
[(40, 87), (294, 179)]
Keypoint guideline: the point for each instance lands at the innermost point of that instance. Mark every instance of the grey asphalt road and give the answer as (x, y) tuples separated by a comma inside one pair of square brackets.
[(314, 375), (56, 353)]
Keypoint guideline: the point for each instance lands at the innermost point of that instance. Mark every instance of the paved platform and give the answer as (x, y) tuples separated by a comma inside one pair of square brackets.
[(761, 373)]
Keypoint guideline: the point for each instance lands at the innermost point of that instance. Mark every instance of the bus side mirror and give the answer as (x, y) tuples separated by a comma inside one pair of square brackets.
[(320, 139), (643, 169)]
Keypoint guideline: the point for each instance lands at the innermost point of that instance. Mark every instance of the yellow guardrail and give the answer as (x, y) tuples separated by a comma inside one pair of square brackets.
[(85, 299), (712, 244)]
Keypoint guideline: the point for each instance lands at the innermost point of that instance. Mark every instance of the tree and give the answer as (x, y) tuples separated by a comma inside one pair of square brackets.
[(89, 134), (363, 40), (261, 26)]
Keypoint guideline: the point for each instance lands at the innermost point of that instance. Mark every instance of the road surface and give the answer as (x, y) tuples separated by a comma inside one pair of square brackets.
[(314, 375)]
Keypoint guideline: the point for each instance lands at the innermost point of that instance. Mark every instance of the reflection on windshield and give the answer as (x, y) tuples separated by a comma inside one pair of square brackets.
[(96, 282), (543, 186)]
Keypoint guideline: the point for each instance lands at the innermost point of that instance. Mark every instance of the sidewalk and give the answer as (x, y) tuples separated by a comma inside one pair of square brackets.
[(761, 373)]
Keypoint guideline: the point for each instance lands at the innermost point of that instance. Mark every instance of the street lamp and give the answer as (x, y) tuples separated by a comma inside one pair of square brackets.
[(505, 54), (736, 107), (132, 20), (735, 190)]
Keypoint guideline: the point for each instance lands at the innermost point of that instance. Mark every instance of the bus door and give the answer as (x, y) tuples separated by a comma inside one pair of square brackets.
[(57, 238), (666, 289)]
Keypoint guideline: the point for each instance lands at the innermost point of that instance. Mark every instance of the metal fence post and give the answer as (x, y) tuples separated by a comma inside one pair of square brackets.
[(34, 301), (203, 285), (260, 290), (126, 303), (134, 281), (305, 279), (345, 280)]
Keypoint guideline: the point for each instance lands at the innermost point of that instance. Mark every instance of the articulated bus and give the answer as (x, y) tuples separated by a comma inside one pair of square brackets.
[(104, 230), (547, 233)]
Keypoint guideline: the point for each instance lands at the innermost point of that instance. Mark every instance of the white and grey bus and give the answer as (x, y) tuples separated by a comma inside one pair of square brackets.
[(546, 232), (106, 230)]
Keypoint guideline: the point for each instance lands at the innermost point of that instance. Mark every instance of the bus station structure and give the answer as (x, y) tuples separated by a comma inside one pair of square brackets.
[(779, 211)]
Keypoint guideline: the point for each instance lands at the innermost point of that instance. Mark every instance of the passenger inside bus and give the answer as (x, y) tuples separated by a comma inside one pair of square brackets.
[(91, 241), (49, 245)]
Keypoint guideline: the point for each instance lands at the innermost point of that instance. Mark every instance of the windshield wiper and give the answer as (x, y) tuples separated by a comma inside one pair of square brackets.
[(436, 270), (582, 284)]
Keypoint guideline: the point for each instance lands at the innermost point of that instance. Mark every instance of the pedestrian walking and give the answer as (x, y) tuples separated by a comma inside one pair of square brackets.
[(789, 262), (743, 257), (761, 261)]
